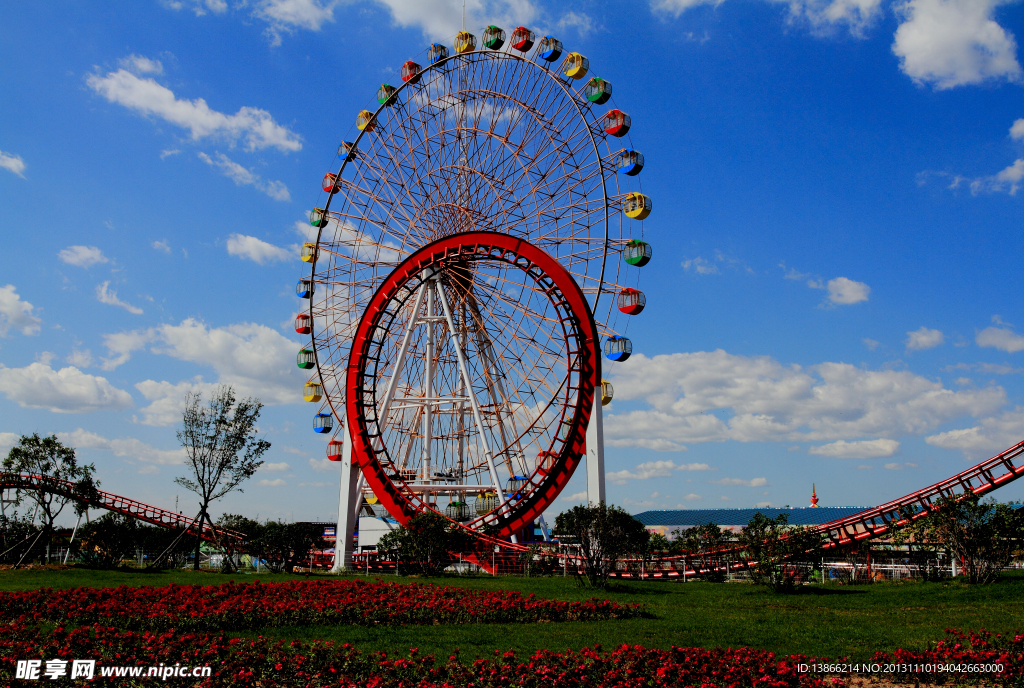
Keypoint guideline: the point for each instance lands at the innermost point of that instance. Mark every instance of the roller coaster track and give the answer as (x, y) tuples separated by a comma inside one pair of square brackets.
[(112, 502)]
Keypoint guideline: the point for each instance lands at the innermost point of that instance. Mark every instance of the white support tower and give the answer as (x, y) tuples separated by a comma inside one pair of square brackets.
[(348, 506), (595, 453)]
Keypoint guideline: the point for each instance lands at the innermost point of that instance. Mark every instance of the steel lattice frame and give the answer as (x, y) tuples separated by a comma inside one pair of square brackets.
[(485, 140)]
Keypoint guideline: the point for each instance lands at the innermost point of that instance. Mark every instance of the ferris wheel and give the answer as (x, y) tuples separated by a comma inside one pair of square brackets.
[(476, 249)]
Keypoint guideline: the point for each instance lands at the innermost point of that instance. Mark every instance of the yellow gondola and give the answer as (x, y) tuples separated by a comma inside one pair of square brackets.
[(465, 42), (308, 253), (364, 121), (607, 392), (637, 206), (575, 66), (313, 391)]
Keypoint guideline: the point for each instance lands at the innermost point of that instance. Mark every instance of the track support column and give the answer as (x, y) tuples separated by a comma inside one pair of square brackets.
[(595, 453), (347, 514)]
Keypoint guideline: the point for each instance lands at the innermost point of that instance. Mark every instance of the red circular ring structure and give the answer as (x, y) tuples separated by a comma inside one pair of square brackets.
[(582, 361)]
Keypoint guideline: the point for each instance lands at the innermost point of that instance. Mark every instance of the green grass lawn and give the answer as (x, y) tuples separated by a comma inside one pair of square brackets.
[(830, 620)]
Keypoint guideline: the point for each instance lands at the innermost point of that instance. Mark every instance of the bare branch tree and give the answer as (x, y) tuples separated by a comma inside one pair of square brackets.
[(223, 452)]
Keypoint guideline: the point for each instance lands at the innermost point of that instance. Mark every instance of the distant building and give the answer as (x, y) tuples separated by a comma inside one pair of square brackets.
[(667, 521)]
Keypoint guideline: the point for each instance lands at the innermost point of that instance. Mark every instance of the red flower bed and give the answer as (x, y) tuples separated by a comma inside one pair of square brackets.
[(234, 606), (269, 664), (969, 652)]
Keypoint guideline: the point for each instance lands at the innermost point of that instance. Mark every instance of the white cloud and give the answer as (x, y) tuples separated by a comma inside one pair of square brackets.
[(200, 7), (164, 154), (256, 360), (82, 256), (12, 163), (578, 497), (277, 482), (715, 396), (105, 295), (871, 344), (1007, 180), (243, 176), (80, 359), (949, 43), (161, 246), (276, 467), (989, 437), (67, 390), (820, 15), (1017, 130), (8, 440), (843, 291), (900, 466), (15, 313), (654, 469), (1002, 338), (923, 338), (323, 465), (137, 64), (284, 16), (146, 96), (255, 249), (127, 447), (701, 266), (755, 482), (862, 449), (654, 444)]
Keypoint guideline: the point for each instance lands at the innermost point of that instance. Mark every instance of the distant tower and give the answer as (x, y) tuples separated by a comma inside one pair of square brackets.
[(814, 496)]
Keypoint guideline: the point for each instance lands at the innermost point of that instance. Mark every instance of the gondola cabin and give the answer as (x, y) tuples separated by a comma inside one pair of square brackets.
[(618, 348), (465, 42), (546, 461), (386, 94), (615, 123), (334, 448), (607, 392), (494, 37), (323, 423), (514, 486), (523, 39), (308, 254), (330, 183), (598, 91), (632, 301), (550, 49), (485, 503), (302, 324), (411, 72), (637, 206), (457, 511), (313, 391), (304, 288), (318, 217), (364, 121), (637, 253), (437, 52), (629, 162), (347, 151), (575, 66), (305, 359)]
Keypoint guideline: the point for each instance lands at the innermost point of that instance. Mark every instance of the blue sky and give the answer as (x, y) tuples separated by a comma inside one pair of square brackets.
[(834, 295)]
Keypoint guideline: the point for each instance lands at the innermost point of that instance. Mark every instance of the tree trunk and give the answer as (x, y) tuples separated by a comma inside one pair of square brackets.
[(199, 536)]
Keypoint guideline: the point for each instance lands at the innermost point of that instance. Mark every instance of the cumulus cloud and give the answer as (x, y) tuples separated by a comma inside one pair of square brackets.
[(923, 338), (82, 256), (862, 449), (277, 482), (8, 440), (161, 246), (900, 466), (255, 249), (137, 64), (843, 291), (1017, 130), (1006, 180), (67, 390), (243, 176), (15, 313), (12, 163), (654, 469), (127, 447), (1002, 338), (755, 482), (578, 497), (701, 266), (105, 295), (256, 360), (323, 465), (280, 467), (715, 396), (987, 438), (285, 16), (819, 15), (950, 43), (145, 96)]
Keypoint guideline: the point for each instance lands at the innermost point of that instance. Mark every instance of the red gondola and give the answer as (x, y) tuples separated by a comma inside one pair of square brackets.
[(523, 39), (302, 324), (334, 450), (411, 72), (631, 301), (615, 123)]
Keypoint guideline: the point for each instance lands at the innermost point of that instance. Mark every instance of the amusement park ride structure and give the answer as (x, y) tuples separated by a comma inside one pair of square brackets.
[(471, 255)]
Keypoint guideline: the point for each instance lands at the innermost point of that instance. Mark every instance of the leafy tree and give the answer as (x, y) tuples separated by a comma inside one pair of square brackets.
[(232, 548), (983, 536), (110, 539), (699, 544), (772, 546), (604, 534), (49, 458), (285, 545), (221, 446), (424, 545), (16, 531)]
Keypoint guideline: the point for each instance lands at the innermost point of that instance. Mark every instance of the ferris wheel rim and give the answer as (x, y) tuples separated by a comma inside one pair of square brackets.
[(517, 515)]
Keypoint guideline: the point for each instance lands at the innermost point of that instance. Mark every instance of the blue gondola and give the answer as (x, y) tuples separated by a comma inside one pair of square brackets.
[(323, 422), (618, 348)]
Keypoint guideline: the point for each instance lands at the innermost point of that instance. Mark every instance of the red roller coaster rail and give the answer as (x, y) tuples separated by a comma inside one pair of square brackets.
[(113, 502)]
